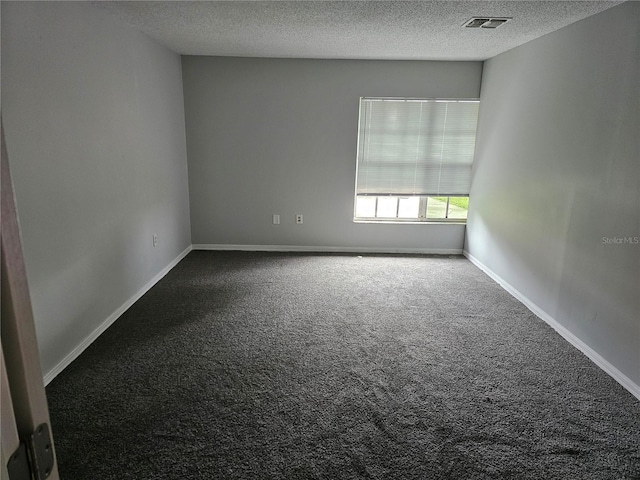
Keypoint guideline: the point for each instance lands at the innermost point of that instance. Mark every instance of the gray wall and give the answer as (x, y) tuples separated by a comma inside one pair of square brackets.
[(94, 121), (557, 172), (278, 136)]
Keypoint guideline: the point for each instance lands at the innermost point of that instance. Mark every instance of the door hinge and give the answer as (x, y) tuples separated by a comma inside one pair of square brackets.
[(33, 460), (18, 464)]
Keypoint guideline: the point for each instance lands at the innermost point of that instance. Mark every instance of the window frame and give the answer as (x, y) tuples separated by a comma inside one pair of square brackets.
[(422, 217)]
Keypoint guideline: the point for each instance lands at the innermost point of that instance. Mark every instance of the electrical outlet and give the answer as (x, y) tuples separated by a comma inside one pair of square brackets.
[(155, 240), (276, 219), (299, 219)]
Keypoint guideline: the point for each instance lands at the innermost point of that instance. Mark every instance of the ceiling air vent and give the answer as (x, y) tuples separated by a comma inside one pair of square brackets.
[(485, 22)]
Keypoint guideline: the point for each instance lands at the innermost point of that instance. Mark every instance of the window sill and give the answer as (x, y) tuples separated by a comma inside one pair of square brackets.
[(412, 222)]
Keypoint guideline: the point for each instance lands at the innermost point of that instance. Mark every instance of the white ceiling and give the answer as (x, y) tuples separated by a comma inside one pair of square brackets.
[(417, 30)]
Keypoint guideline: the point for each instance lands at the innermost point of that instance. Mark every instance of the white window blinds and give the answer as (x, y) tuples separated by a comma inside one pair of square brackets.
[(415, 147)]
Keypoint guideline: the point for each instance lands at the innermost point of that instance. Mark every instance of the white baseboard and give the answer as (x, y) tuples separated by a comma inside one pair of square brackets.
[(594, 356), (317, 249), (55, 371)]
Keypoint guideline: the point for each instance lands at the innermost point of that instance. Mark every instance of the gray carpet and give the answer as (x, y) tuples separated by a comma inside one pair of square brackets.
[(286, 366)]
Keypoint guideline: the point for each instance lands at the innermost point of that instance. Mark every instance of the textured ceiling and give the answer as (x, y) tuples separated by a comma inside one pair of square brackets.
[(420, 30)]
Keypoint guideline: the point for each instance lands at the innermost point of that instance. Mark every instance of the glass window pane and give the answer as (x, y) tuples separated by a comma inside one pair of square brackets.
[(436, 207), (409, 207), (458, 207), (387, 207), (365, 207)]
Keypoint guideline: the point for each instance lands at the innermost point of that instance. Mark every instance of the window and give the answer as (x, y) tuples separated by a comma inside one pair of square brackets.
[(416, 208), (414, 159)]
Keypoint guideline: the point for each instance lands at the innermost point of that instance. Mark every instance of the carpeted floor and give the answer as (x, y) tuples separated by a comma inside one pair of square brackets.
[(288, 366)]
